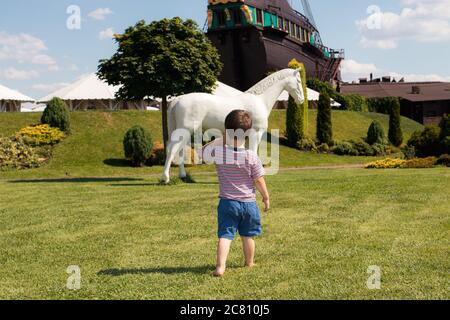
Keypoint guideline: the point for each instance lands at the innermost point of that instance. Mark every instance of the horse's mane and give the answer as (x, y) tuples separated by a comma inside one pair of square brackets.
[(269, 81)]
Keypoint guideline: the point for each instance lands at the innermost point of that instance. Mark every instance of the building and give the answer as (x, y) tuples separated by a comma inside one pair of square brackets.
[(91, 93), (11, 100), (424, 102)]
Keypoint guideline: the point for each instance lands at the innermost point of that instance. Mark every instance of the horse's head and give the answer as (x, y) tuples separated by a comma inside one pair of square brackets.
[(295, 87)]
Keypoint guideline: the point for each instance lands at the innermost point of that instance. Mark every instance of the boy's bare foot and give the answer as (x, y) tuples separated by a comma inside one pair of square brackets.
[(250, 265), (219, 272)]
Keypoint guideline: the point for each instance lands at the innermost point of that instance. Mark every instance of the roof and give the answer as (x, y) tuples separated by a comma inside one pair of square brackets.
[(429, 91), (88, 88), (13, 95)]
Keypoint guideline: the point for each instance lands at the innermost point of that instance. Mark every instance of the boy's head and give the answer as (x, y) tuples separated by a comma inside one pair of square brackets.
[(239, 119)]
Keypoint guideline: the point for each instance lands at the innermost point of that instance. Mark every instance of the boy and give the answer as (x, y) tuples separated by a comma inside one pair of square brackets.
[(240, 173)]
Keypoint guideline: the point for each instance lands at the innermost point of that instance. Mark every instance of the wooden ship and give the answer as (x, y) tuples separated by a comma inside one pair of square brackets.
[(257, 37)]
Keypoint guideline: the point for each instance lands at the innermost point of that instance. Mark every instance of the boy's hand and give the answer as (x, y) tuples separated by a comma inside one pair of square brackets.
[(266, 202)]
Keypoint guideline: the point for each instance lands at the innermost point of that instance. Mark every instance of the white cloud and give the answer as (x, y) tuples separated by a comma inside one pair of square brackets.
[(16, 74), (106, 34), (100, 13), (352, 70), (48, 88), (24, 48), (419, 20)]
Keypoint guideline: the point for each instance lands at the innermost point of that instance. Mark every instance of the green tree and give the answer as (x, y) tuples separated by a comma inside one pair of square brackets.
[(395, 129), (375, 133), (324, 124), (165, 58), (137, 145), (296, 114), (57, 115)]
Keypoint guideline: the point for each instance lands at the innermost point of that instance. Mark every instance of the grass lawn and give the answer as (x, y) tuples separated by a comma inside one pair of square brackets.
[(135, 240), (95, 146)]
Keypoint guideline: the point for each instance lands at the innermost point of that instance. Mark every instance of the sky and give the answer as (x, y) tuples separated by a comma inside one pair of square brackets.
[(46, 44)]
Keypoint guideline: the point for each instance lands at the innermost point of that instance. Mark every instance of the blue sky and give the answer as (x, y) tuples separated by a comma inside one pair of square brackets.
[(39, 54)]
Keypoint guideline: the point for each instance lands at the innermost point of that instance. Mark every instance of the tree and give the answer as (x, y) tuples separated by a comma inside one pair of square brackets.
[(324, 124), (395, 129), (297, 115), (375, 133), (57, 115), (165, 58)]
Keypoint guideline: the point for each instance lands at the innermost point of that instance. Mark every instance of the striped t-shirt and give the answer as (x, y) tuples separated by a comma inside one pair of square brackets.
[(237, 170)]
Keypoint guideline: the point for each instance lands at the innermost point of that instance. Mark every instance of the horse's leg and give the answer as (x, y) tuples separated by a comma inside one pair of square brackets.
[(174, 147), (256, 139)]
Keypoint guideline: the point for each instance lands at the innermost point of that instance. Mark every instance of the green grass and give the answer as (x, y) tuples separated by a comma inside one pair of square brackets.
[(95, 146), (136, 240)]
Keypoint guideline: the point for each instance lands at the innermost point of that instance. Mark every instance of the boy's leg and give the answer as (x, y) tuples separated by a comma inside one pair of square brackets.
[(249, 251), (223, 249)]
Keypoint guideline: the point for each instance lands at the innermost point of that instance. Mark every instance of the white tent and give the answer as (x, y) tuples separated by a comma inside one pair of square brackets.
[(312, 96), (92, 93), (11, 100)]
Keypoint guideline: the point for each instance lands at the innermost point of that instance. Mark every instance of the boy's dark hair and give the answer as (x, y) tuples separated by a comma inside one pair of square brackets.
[(239, 119)]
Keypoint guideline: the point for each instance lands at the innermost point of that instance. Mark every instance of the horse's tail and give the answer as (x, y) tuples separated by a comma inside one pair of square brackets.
[(171, 117)]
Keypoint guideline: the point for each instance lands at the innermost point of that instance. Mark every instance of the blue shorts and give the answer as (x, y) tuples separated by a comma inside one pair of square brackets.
[(236, 216)]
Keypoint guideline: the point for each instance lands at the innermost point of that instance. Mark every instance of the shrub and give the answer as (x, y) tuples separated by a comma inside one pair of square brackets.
[(356, 102), (375, 133), (306, 144), (137, 145), (380, 105), (57, 115), (362, 148), (444, 160), (395, 129), (345, 148), (40, 135), (15, 154), (445, 145), (297, 115), (157, 157), (386, 164), (420, 163), (444, 136), (323, 148), (379, 149), (409, 152), (426, 143), (324, 124)]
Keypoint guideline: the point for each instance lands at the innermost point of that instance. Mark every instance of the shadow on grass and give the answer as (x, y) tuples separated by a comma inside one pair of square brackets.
[(75, 180), (121, 163), (164, 270)]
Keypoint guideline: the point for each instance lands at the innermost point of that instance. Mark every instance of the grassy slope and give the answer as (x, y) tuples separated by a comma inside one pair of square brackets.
[(97, 136), (132, 241)]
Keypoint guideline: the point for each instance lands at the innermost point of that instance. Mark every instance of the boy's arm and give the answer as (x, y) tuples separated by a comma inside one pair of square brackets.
[(260, 184)]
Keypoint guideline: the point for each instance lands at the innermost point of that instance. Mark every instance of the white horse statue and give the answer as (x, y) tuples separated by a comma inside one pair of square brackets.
[(201, 111)]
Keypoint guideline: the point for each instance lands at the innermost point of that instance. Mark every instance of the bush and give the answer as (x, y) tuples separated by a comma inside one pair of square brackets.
[(445, 145), (426, 143), (444, 160), (420, 163), (395, 129), (306, 144), (323, 148), (297, 115), (40, 135), (356, 102), (344, 149), (380, 105), (324, 124), (157, 157), (386, 164), (362, 148), (15, 154), (57, 115), (444, 136), (375, 133), (137, 145), (379, 149)]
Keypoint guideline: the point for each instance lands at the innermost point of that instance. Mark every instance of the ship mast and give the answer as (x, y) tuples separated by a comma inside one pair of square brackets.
[(308, 13)]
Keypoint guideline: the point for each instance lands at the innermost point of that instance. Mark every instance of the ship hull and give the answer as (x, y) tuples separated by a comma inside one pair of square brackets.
[(250, 54)]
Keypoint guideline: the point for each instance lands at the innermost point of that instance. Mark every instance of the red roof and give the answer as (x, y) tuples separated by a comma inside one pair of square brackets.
[(429, 91)]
